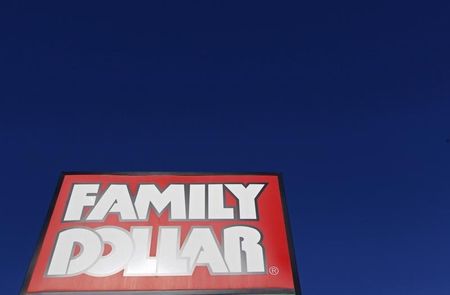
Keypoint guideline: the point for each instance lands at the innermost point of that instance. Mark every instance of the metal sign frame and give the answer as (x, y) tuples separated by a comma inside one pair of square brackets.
[(297, 288)]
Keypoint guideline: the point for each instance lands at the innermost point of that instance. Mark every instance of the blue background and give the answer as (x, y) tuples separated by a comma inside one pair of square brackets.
[(348, 99)]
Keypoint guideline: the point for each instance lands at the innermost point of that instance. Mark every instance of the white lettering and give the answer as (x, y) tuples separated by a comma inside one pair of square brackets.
[(149, 194), (247, 198), (116, 199), (201, 248), (80, 197), (216, 203), (239, 240), (130, 251), (64, 262)]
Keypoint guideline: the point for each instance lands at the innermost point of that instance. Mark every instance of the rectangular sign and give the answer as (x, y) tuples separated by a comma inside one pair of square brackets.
[(158, 233)]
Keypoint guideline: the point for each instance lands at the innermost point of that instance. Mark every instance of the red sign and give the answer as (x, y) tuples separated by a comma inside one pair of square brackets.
[(151, 233)]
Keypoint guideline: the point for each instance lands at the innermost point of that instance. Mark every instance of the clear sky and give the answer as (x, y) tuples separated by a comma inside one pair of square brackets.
[(350, 100)]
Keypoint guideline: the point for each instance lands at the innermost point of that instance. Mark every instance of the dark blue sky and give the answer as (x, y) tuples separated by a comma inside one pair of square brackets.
[(350, 100)]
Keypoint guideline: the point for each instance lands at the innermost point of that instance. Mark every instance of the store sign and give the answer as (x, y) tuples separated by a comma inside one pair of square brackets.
[(156, 233)]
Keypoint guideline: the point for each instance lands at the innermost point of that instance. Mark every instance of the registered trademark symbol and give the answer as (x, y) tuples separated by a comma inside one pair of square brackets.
[(273, 270)]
